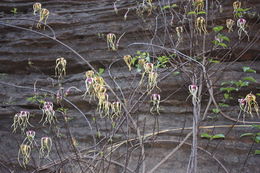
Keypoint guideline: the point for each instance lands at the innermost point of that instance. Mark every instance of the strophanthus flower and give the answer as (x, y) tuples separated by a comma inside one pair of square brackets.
[(49, 113), (21, 120), (46, 145), (155, 100)]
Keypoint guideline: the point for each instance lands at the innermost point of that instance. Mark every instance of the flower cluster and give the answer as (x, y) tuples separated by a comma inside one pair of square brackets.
[(21, 120), (248, 103), (48, 112), (152, 76), (96, 87), (200, 25), (44, 14), (145, 6)]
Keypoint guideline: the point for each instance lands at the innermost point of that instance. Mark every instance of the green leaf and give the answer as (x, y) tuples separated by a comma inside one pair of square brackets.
[(214, 61), (218, 28), (248, 70), (246, 134), (222, 45), (257, 152), (205, 135), (218, 136), (256, 126), (215, 110), (226, 83), (174, 5), (224, 37), (242, 9), (14, 10), (201, 12), (191, 12), (166, 7), (215, 42), (133, 60), (257, 139), (101, 71), (251, 79), (241, 83), (228, 89), (227, 96), (223, 105), (176, 73)]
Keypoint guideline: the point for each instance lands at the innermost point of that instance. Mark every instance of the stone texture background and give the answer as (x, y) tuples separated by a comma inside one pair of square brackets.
[(26, 57)]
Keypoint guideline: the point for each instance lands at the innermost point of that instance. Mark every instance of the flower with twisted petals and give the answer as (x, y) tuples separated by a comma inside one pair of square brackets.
[(241, 23), (49, 113), (236, 6), (152, 81), (179, 31), (29, 139), (155, 100), (44, 14), (24, 153), (59, 95), (141, 62), (200, 25), (199, 4), (116, 110), (250, 103), (60, 68), (36, 7), (148, 68), (128, 59), (106, 109), (111, 42), (193, 91), (89, 83), (230, 23), (90, 74), (46, 144), (21, 120), (102, 99)]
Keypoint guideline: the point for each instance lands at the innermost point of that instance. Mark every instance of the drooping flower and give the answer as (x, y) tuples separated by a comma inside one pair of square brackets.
[(44, 14), (241, 23), (36, 7), (193, 91), (128, 59), (21, 120), (24, 153), (30, 135), (199, 4), (111, 42), (49, 113), (155, 100), (230, 23), (60, 69), (152, 81), (179, 31), (200, 25), (46, 144), (116, 109)]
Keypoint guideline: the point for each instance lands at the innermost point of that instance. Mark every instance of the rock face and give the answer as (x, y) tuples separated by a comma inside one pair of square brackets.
[(27, 67)]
